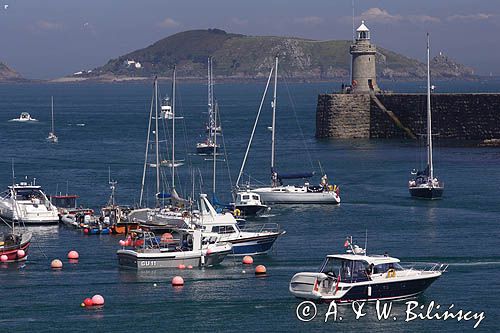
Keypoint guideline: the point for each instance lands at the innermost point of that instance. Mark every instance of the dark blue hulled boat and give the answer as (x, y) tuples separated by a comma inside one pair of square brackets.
[(356, 276), (424, 184)]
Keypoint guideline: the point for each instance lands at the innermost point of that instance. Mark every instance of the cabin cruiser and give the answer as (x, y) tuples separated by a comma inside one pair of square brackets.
[(356, 276), (248, 203), (24, 117), (258, 239), (28, 204), (144, 250)]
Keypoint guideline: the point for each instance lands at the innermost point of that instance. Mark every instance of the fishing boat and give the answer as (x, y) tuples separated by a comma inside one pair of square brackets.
[(52, 137), (257, 239), (144, 250), (424, 184), (279, 193), (209, 145), (27, 203), (357, 276), (248, 203), (24, 117), (14, 244)]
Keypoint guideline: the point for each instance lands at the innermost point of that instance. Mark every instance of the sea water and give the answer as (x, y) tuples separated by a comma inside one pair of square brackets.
[(102, 132)]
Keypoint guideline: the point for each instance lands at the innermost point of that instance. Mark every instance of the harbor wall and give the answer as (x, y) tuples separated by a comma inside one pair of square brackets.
[(455, 116)]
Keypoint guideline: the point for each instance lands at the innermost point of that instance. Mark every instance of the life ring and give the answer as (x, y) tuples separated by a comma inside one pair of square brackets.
[(237, 212), (391, 273)]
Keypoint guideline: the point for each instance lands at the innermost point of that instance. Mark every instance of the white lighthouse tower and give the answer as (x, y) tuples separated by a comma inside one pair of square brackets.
[(364, 77)]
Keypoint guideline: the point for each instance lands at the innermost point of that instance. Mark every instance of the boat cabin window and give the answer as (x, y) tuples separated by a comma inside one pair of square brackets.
[(28, 194), (347, 270), (246, 197), (255, 197), (223, 229), (383, 268)]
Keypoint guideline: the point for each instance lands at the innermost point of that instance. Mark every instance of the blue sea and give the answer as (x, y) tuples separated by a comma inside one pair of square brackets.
[(461, 230)]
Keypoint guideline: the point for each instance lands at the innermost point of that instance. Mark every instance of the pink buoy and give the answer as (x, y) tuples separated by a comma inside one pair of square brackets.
[(121, 242), (21, 253), (209, 251), (260, 270), (4, 258), (97, 300), (177, 281), (56, 264), (190, 267), (181, 266), (73, 255), (247, 260)]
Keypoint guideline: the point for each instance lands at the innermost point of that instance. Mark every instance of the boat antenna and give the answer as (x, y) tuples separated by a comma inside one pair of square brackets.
[(366, 241), (13, 174)]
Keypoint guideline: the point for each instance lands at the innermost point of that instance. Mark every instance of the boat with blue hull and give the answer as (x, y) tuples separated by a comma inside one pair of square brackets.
[(356, 276), (255, 239)]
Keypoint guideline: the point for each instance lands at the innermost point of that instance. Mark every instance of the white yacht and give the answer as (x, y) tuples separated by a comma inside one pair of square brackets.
[(357, 276), (28, 204), (24, 117), (278, 193), (258, 239)]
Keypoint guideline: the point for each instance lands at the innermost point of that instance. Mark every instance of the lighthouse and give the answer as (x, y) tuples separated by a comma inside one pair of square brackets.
[(364, 77)]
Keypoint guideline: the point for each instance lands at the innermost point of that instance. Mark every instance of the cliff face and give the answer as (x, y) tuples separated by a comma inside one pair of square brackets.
[(8, 74), (249, 57)]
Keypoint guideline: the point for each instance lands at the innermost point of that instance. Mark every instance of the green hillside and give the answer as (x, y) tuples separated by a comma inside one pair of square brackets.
[(248, 57)]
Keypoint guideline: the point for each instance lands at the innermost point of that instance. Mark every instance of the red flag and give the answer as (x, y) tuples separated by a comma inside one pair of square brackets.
[(346, 243)]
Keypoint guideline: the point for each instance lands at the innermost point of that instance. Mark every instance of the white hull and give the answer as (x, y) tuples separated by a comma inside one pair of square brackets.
[(295, 195)]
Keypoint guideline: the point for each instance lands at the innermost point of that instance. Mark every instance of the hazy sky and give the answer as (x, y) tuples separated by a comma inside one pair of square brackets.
[(51, 38)]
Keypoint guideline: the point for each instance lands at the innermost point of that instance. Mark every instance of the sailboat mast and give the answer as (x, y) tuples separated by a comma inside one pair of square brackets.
[(274, 114), (173, 130), (156, 144), (429, 119), (143, 182), (52, 112), (216, 110)]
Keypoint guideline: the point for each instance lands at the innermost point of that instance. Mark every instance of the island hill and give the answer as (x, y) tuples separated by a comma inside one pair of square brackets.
[(7, 74), (240, 57)]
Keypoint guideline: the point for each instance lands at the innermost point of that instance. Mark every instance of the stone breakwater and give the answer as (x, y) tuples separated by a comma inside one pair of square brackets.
[(455, 116)]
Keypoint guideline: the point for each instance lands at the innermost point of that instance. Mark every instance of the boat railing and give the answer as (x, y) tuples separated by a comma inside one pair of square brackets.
[(426, 267), (266, 227)]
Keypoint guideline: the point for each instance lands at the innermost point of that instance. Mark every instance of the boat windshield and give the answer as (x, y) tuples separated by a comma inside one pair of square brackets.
[(383, 268), (347, 270), (28, 194)]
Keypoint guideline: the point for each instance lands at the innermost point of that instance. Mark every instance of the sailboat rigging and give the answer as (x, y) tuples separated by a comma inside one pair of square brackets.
[(278, 192), (52, 137), (424, 184)]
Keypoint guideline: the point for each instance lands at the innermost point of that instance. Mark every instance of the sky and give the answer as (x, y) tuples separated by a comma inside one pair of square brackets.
[(52, 38)]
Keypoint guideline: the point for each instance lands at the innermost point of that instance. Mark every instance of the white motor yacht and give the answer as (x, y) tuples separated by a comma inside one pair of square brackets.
[(356, 276), (24, 117), (28, 204)]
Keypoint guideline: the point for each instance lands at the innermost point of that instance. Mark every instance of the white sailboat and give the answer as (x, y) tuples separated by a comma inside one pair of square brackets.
[(424, 184), (279, 193), (52, 137), (209, 146)]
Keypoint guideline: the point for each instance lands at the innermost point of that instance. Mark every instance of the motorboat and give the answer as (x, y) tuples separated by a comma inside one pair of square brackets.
[(207, 147), (357, 276), (27, 204), (15, 243), (144, 250), (424, 184), (255, 239), (248, 203), (24, 117), (116, 216), (278, 192)]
